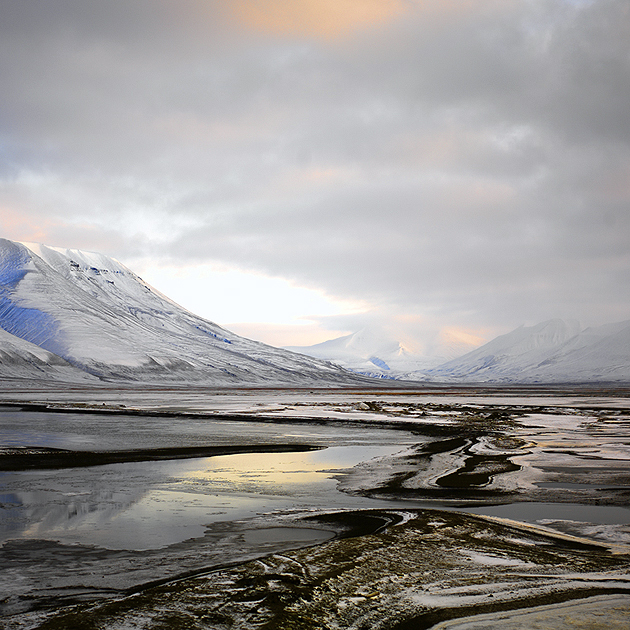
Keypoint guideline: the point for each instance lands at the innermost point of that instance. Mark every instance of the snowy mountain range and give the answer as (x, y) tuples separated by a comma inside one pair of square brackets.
[(75, 316), (79, 317), (374, 352), (555, 351)]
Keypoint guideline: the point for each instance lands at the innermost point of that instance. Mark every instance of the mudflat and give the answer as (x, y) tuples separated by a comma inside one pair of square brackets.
[(306, 509)]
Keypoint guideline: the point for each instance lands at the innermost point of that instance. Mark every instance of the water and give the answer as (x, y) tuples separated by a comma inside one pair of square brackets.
[(149, 505), (145, 505), (530, 512), (108, 431)]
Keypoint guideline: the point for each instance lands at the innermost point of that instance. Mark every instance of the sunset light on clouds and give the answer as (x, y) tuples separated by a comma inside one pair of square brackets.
[(327, 19), (300, 169)]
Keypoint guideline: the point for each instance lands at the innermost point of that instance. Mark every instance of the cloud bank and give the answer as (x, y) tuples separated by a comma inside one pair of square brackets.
[(462, 164)]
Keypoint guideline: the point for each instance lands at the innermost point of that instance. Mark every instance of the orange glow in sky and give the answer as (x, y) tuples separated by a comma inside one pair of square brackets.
[(328, 19)]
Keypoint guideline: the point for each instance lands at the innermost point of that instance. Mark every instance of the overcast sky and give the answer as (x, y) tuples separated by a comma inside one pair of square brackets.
[(297, 169)]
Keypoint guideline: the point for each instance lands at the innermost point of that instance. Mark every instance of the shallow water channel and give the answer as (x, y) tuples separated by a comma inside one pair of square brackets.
[(149, 504)]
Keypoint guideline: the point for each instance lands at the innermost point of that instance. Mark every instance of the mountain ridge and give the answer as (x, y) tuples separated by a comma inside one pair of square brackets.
[(100, 318), (553, 351), (373, 351)]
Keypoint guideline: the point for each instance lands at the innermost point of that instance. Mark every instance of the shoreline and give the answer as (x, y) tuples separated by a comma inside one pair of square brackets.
[(409, 569)]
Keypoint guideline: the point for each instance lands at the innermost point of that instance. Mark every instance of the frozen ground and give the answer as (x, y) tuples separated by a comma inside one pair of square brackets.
[(535, 485)]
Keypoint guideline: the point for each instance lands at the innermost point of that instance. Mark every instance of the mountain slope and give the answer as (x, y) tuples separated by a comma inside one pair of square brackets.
[(22, 359), (364, 351), (551, 352), (597, 354), (99, 317)]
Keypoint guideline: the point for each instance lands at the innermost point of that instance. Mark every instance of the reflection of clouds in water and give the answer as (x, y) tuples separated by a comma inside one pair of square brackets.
[(152, 504), (133, 519), (258, 471), (558, 515), (56, 514), (53, 430), (11, 515), (282, 473), (69, 504), (114, 432), (148, 505), (13, 437)]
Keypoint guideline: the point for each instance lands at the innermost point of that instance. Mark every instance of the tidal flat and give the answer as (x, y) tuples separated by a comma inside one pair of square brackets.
[(389, 508)]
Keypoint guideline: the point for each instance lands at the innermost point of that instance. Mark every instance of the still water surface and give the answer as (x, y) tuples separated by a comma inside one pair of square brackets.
[(143, 505), (149, 505)]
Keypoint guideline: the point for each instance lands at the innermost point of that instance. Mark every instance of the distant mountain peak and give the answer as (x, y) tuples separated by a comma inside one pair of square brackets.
[(552, 351), (372, 350)]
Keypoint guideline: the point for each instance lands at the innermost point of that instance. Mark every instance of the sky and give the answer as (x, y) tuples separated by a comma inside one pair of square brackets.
[(296, 170)]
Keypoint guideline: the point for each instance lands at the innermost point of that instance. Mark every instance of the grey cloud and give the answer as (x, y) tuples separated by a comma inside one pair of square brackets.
[(474, 166)]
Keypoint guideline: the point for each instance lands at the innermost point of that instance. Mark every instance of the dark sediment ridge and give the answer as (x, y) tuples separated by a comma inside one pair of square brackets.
[(26, 458)]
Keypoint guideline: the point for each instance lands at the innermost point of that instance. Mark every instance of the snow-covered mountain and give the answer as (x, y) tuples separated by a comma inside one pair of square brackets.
[(374, 352), (77, 316), (554, 351), (81, 317), (365, 351)]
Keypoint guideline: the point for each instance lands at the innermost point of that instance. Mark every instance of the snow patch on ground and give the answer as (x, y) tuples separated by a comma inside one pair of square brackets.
[(493, 560)]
